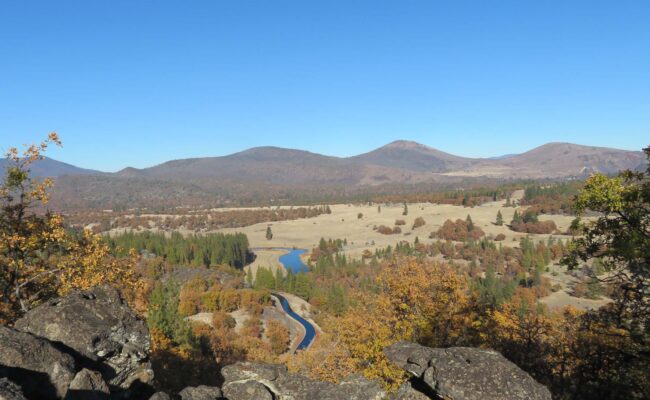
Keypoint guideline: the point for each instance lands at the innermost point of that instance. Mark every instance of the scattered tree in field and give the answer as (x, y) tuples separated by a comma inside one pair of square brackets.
[(470, 224), (459, 230), (269, 233), (385, 230), (360, 215), (406, 210), (378, 209), (499, 220), (529, 223), (419, 221)]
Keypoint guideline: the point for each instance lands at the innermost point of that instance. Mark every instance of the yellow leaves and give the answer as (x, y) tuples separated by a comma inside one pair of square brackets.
[(53, 137), (602, 194), (415, 300), (88, 263), (40, 256)]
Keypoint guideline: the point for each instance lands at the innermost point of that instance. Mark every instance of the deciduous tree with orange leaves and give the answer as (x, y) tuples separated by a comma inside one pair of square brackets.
[(39, 257)]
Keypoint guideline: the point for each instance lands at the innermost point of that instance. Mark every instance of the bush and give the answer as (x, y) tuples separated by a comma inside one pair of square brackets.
[(459, 231), (539, 227), (419, 221), (500, 237), (385, 230), (400, 222)]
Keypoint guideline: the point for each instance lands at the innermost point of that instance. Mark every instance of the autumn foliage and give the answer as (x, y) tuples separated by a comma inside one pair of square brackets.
[(40, 258), (458, 231)]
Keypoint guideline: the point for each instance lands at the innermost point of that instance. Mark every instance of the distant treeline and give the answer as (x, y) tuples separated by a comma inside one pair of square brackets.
[(192, 220), (468, 198), (196, 250)]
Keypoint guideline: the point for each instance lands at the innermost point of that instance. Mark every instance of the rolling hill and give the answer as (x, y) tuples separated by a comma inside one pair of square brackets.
[(264, 174)]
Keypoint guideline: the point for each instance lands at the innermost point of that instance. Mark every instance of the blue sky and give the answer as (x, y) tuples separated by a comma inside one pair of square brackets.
[(136, 83)]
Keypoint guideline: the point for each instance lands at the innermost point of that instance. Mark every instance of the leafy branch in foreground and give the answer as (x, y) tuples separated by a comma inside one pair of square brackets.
[(620, 239), (39, 257)]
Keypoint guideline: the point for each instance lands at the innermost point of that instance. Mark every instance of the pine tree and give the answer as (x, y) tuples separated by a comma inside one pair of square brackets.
[(470, 224), (269, 233), (515, 218), (406, 210), (499, 220)]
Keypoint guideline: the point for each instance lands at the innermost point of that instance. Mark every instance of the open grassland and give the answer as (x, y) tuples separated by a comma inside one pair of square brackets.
[(343, 223)]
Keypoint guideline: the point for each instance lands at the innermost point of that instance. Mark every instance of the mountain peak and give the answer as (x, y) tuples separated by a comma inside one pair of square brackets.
[(406, 144)]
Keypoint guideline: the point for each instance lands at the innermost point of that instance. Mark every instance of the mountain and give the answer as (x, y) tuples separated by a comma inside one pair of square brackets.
[(48, 167), (271, 165), (413, 156), (264, 174), (559, 160)]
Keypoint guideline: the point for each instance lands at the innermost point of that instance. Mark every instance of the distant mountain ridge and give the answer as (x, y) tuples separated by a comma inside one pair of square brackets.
[(275, 173), (397, 160), (48, 167)]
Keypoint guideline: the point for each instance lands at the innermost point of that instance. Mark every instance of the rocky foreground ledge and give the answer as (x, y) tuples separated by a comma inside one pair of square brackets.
[(90, 345)]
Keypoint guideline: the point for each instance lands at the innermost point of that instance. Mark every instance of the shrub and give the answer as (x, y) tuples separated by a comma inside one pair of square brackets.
[(500, 237), (459, 230), (400, 222), (419, 221), (385, 230)]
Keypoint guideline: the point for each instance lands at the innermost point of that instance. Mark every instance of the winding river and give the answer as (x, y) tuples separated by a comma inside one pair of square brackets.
[(292, 262), (310, 332)]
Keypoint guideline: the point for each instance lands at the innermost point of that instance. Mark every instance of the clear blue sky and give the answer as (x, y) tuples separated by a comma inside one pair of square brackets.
[(136, 83)]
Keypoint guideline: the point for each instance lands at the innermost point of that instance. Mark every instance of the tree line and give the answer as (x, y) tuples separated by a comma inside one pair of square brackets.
[(196, 250)]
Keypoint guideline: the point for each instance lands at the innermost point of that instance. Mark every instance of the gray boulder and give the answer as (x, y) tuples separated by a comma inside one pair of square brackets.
[(160, 396), (10, 391), (248, 381), (100, 330), (200, 393), (88, 385), (35, 364), (464, 373), (408, 392)]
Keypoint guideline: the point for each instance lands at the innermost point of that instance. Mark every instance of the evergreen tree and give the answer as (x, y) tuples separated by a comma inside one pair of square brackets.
[(249, 277), (406, 210), (163, 314), (515, 218), (499, 220), (264, 279), (269, 233), (470, 223)]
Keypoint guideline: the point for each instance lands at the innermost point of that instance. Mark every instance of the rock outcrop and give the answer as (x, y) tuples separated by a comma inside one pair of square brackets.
[(253, 381), (34, 364), (88, 385), (463, 373), (90, 345), (100, 330), (10, 391), (200, 393)]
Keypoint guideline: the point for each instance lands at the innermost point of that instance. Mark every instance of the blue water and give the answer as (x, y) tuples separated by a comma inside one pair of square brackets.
[(293, 262), (310, 332)]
